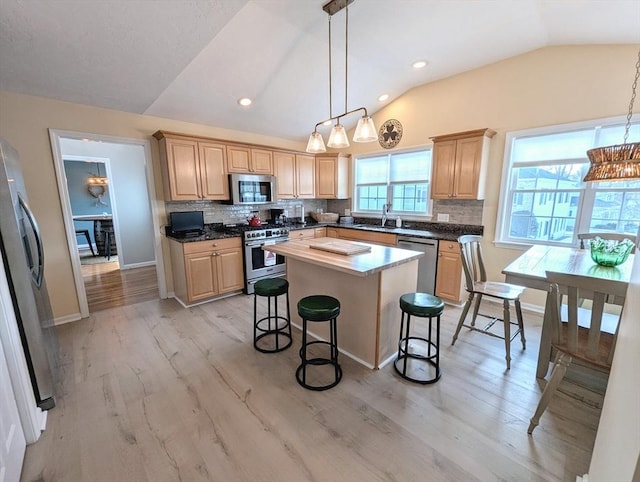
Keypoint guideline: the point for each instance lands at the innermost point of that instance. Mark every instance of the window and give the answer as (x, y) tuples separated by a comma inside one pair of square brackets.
[(543, 198), (400, 180)]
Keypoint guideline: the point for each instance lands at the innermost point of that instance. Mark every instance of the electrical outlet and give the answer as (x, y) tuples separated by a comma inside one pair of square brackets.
[(443, 217)]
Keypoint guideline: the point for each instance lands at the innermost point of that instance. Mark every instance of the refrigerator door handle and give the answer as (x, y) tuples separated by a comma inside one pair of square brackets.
[(38, 275)]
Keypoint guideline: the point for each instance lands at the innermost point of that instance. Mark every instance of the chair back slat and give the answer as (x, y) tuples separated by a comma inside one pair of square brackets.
[(587, 343), (472, 260)]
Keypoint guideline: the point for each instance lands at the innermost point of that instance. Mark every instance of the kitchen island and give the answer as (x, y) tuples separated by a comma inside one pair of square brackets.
[(368, 286)]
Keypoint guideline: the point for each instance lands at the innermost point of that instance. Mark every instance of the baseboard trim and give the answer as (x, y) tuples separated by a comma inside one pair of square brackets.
[(61, 320)]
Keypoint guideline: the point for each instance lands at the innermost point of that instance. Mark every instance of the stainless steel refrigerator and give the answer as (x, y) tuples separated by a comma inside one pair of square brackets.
[(23, 257)]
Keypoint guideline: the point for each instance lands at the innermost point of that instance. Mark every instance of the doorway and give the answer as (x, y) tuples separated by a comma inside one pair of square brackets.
[(127, 198)]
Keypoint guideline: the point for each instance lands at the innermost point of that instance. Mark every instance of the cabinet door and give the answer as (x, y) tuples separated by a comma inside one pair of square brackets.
[(213, 171), (332, 233), (305, 176), (261, 161), (449, 275), (284, 167), (467, 172), (326, 171), (230, 270), (183, 169), (320, 232), (444, 158), (201, 276), (238, 159)]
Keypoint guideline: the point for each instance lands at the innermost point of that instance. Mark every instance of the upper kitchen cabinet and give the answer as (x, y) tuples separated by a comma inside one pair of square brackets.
[(332, 176), (192, 169), (460, 164), (245, 160), (295, 174)]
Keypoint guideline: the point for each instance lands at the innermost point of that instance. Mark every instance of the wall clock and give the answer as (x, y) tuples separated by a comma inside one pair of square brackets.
[(390, 133)]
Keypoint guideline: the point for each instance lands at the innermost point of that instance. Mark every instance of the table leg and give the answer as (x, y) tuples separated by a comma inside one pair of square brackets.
[(544, 353)]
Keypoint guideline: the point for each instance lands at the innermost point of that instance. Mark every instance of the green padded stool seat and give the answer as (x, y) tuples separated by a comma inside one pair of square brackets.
[(272, 333), (318, 308), (418, 358)]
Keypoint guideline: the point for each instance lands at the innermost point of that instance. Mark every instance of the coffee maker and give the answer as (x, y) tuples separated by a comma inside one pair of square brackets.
[(277, 216)]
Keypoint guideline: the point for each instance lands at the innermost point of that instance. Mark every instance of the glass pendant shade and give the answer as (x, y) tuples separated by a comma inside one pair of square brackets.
[(614, 163), (365, 130), (316, 143), (338, 138)]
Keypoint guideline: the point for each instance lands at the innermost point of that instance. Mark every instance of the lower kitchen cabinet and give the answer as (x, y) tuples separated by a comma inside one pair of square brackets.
[(203, 270), (302, 234), (375, 237), (449, 272)]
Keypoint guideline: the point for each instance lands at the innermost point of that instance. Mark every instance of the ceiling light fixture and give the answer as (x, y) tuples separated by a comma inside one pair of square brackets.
[(383, 97), (244, 101), (420, 64), (366, 129), (619, 162)]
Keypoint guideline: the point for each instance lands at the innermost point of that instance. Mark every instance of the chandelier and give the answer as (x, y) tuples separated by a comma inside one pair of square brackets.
[(619, 162), (365, 129)]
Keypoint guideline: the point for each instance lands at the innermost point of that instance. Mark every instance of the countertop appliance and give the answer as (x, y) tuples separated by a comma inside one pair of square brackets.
[(427, 264), (186, 223), (23, 256), (260, 264), (252, 189)]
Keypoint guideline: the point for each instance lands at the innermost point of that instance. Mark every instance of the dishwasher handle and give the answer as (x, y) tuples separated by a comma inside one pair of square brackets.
[(414, 240)]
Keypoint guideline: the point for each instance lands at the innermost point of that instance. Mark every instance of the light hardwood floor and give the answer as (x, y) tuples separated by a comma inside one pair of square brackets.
[(107, 286), (156, 392)]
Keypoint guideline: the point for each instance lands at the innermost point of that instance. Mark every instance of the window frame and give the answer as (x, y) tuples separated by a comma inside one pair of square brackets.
[(390, 184), (587, 191)]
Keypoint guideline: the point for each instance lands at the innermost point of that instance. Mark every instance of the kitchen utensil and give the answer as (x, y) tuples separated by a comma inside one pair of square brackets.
[(255, 221)]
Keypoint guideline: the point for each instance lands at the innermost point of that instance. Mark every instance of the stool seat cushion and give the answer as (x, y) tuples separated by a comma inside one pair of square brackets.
[(271, 287), (421, 304), (318, 308)]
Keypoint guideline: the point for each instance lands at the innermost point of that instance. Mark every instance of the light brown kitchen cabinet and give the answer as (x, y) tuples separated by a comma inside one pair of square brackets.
[(302, 234), (295, 174), (244, 159), (460, 163), (320, 232), (204, 270), (376, 237), (332, 176), (193, 169), (332, 232), (449, 272)]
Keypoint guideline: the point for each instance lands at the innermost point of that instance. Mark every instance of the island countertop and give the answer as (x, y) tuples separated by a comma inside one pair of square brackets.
[(377, 259)]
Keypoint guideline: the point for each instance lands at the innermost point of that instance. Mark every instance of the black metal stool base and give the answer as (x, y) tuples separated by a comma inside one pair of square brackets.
[(276, 334), (301, 371), (404, 360)]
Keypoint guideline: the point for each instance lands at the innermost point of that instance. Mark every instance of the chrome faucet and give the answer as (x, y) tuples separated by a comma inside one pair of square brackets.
[(385, 210)]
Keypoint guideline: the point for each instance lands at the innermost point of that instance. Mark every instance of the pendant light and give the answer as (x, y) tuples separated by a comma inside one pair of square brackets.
[(620, 162), (365, 130)]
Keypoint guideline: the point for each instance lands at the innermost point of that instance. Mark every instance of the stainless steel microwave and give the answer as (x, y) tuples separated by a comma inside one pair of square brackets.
[(252, 189)]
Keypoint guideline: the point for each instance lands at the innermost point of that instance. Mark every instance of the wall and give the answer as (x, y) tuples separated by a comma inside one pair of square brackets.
[(544, 87), (82, 202)]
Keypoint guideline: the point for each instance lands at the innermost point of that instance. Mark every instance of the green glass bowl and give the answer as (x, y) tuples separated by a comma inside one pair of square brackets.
[(610, 252)]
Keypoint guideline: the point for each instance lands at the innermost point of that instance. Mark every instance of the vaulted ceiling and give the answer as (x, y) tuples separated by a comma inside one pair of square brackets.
[(193, 60)]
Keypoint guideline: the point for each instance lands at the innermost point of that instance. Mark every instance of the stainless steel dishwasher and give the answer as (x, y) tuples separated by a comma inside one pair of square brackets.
[(427, 264)]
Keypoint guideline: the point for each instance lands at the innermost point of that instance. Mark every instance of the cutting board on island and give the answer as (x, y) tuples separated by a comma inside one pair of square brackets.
[(341, 247)]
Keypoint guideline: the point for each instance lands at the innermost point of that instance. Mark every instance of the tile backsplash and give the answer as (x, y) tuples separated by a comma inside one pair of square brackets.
[(460, 212)]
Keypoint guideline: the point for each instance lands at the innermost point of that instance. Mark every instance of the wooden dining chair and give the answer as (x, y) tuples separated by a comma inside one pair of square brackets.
[(477, 286), (585, 238), (587, 335)]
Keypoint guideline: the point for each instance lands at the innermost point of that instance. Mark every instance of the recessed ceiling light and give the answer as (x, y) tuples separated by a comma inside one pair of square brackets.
[(245, 101), (419, 64), (383, 97)]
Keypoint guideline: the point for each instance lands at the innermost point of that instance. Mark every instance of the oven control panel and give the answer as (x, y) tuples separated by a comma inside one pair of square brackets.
[(267, 233)]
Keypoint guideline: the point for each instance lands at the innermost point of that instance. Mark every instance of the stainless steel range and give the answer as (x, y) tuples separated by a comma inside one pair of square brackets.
[(259, 264)]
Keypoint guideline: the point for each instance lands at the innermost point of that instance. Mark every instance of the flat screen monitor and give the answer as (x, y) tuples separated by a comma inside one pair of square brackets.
[(183, 222)]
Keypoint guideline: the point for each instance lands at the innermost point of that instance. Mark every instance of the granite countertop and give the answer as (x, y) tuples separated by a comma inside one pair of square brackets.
[(440, 231)]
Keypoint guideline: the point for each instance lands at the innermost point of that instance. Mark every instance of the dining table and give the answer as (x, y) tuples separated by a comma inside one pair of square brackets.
[(530, 270)]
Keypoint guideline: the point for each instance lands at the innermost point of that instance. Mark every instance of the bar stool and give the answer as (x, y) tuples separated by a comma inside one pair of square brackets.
[(422, 351), (277, 326), (85, 233), (318, 308)]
